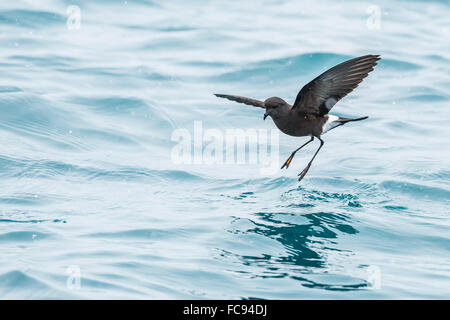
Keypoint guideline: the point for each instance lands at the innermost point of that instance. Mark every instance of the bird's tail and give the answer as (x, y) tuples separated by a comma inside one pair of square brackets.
[(345, 120)]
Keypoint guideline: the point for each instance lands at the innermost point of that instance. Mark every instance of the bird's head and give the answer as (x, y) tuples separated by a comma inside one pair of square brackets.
[(274, 107)]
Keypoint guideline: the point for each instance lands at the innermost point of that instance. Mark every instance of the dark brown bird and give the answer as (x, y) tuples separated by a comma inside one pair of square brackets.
[(309, 114)]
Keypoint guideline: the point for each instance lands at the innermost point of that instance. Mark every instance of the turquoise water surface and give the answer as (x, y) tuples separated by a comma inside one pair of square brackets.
[(94, 205)]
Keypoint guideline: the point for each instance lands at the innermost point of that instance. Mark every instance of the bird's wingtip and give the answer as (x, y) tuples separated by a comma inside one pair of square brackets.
[(375, 57)]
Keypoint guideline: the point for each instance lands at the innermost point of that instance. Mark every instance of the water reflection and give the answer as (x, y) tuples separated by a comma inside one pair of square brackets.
[(309, 241), (299, 239)]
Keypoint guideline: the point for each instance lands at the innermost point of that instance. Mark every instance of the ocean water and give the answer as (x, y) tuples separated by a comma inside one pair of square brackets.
[(93, 204)]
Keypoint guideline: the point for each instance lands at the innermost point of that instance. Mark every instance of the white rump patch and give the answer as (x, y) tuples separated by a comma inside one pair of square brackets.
[(330, 124)]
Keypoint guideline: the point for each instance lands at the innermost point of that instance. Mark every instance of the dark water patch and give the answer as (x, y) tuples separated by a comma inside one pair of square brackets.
[(124, 174), (107, 136), (18, 279), (11, 167), (32, 117), (339, 285), (23, 236), (24, 43), (8, 89), (176, 29), (47, 136), (300, 205), (144, 234), (123, 4), (437, 58), (94, 71), (173, 42), (275, 183), (112, 105), (308, 240), (206, 64), (296, 238), (48, 169), (398, 65), (404, 126), (244, 195), (303, 64), (301, 197), (156, 76), (24, 200), (258, 185), (441, 175), (16, 284), (139, 72), (32, 221), (345, 184), (108, 284), (416, 190), (426, 98), (321, 195), (31, 18), (395, 208), (52, 61), (181, 175), (125, 74), (133, 109)]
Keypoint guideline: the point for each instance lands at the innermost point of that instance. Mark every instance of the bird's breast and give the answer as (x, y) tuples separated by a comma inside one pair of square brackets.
[(295, 126)]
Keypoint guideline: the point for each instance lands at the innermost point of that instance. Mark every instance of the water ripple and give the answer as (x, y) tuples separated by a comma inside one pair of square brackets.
[(87, 179)]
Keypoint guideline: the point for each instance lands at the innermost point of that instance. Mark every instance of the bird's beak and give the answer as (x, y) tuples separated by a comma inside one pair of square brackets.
[(266, 114)]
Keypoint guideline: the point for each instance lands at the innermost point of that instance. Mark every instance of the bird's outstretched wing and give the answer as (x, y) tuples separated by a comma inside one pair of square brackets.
[(322, 93), (249, 101)]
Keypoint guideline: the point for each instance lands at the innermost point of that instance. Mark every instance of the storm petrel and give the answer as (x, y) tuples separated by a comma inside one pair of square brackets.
[(309, 114)]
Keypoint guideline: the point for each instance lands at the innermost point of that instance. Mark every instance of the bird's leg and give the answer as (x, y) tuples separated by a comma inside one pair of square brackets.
[(303, 173), (288, 161)]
